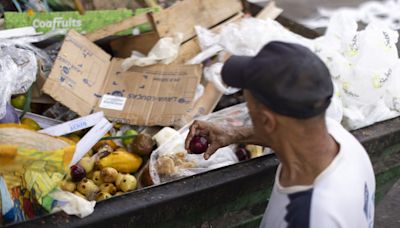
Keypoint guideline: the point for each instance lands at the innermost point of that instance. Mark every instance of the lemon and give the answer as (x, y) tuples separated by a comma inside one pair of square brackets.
[(129, 132), (19, 101)]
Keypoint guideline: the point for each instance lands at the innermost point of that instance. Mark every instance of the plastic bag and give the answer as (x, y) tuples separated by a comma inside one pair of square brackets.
[(170, 161), (363, 64), (165, 51), (32, 165), (18, 69), (19, 65)]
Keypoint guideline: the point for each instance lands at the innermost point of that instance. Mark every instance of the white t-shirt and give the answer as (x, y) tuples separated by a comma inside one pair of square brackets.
[(341, 196)]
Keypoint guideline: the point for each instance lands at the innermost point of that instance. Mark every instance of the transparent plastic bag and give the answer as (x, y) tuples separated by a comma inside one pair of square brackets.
[(18, 68), (19, 65), (170, 161)]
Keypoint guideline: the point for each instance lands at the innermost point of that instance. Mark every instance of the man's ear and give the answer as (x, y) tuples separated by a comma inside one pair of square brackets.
[(268, 120)]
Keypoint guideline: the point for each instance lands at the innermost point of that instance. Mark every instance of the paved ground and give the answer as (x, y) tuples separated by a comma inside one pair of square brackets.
[(301, 9), (387, 214)]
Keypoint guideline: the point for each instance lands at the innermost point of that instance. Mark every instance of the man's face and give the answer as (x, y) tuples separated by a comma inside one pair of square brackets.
[(255, 113)]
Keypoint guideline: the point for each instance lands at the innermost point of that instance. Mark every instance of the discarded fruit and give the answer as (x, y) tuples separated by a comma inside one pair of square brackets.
[(102, 196), (109, 175), (122, 161), (87, 163), (32, 124), (19, 101), (255, 151), (96, 178), (88, 188), (143, 145), (68, 186), (77, 173), (198, 145), (129, 132), (127, 183), (109, 188), (242, 154), (145, 177), (103, 142)]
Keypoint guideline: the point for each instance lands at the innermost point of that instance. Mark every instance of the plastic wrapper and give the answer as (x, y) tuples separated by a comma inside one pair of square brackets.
[(170, 161), (31, 167), (165, 51), (72, 204)]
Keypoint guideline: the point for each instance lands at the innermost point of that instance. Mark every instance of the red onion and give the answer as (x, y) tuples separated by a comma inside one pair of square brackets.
[(198, 145)]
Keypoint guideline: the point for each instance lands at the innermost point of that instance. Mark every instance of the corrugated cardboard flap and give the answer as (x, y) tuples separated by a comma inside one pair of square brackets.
[(78, 74), (155, 95)]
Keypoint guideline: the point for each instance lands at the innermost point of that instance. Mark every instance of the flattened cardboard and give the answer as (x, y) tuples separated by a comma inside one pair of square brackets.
[(184, 15), (77, 74), (156, 95)]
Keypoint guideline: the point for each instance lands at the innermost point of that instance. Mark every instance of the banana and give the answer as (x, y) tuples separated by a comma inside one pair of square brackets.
[(122, 161)]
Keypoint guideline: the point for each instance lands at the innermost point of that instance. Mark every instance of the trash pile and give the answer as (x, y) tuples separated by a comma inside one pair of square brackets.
[(97, 103)]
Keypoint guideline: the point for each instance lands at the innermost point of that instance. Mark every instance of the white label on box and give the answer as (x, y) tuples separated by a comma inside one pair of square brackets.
[(112, 102), (74, 125)]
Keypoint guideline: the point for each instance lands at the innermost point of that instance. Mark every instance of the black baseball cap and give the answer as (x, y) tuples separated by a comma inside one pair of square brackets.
[(286, 77)]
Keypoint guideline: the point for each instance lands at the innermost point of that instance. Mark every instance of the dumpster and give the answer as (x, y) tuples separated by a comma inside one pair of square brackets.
[(235, 195)]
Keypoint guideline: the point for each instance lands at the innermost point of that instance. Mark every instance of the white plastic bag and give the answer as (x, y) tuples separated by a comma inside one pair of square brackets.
[(171, 161), (164, 51), (363, 64)]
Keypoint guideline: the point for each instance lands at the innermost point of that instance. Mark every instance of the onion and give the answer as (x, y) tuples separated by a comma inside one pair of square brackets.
[(11, 115)]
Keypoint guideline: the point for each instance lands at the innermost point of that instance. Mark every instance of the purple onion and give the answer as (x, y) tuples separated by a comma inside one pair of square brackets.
[(11, 115)]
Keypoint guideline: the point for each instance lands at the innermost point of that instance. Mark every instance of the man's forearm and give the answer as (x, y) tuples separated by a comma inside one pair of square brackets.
[(245, 135)]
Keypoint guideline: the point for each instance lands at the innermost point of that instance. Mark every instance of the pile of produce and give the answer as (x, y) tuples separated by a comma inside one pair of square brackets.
[(108, 169)]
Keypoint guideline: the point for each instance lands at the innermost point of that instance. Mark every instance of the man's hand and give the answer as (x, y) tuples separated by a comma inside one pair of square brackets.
[(217, 136)]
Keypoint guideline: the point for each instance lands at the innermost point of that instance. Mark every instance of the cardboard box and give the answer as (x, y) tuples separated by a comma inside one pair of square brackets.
[(86, 79)]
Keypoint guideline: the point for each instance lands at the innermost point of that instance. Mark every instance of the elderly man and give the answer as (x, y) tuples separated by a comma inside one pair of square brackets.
[(325, 178)]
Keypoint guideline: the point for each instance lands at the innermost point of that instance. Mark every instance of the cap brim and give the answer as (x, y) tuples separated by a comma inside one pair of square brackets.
[(233, 71)]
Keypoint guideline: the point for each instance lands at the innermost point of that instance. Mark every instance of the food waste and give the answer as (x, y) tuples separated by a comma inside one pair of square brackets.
[(108, 170)]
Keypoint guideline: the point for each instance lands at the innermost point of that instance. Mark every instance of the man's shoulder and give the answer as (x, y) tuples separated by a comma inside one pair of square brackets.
[(346, 140)]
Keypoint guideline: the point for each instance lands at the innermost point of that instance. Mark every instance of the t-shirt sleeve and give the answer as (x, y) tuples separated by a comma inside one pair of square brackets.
[(321, 216)]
